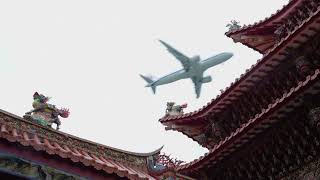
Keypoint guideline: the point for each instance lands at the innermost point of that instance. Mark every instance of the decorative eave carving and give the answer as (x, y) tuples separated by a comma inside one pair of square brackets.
[(164, 167), (214, 133)]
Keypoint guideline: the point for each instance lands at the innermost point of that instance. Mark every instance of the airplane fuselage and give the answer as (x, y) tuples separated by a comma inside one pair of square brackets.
[(175, 76), (215, 60), (195, 71)]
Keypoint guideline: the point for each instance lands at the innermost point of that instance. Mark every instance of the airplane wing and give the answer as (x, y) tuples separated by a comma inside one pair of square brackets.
[(197, 85), (185, 61)]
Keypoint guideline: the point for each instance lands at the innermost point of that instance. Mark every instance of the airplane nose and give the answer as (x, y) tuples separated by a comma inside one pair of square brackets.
[(229, 54)]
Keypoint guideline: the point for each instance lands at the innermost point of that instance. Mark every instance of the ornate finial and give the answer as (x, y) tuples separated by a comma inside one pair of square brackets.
[(174, 110), (163, 166), (233, 25), (167, 161), (44, 113)]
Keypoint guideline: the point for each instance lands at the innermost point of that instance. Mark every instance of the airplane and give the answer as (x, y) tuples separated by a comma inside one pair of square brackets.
[(193, 68)]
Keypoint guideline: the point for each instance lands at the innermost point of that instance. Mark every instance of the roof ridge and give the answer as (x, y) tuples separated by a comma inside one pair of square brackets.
[(157, 151)]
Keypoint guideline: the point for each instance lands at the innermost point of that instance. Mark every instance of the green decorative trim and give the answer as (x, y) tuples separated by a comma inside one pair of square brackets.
[(41, 121), (124, 158)]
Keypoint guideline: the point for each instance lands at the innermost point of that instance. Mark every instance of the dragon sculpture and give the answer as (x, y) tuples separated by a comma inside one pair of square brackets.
[(233, 25), (174, 110), (44, 113)]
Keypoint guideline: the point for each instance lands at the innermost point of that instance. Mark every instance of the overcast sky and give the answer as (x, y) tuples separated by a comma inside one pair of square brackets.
[(87, 56)]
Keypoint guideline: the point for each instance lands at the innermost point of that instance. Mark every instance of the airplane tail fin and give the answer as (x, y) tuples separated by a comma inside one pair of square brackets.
[(153, 89), (149, 80)]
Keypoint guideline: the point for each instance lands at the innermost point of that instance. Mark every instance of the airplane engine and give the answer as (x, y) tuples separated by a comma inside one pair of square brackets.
[(195, 58), (206, 79)]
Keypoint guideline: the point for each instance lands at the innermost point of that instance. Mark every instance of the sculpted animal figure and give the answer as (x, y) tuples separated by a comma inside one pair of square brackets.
[(44, 113), (233, 25), (173, 110)]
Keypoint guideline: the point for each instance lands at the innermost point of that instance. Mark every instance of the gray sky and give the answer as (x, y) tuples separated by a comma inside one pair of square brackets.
[(87, 56)]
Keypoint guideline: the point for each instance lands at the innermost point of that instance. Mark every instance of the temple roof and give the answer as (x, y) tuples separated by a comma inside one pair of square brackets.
[(256, 125), (192, 124), (264, 35), (111, 160)]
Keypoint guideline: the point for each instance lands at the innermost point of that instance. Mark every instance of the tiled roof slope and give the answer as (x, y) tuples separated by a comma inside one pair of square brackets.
[(111, 160), (256, 125)]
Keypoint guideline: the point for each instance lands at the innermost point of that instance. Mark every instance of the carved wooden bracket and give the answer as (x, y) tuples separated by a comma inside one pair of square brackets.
[(304, 67), (214, 133)]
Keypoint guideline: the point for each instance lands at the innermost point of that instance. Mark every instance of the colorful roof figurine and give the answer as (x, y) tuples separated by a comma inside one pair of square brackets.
[(44, 113)]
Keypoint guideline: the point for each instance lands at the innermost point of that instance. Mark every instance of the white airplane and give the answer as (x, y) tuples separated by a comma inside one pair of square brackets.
[(192, 68)]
